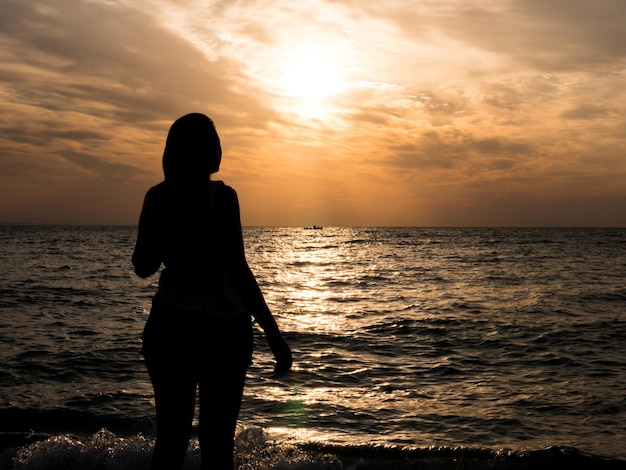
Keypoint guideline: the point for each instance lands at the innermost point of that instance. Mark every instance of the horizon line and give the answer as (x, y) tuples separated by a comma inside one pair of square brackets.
[(93, 225)]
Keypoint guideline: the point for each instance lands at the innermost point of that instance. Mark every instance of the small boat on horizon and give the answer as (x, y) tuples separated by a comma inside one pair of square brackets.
[(314, 227)]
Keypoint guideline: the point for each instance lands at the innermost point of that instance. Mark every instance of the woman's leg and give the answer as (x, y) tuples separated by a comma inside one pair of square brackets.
[(166, 341), (220, 401), (174, 396), (221, 386)]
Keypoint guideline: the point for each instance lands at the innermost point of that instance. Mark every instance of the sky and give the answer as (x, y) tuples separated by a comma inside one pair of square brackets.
[(330, 112)]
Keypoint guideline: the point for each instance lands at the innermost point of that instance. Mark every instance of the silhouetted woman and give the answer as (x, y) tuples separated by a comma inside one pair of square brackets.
[(199, 332)]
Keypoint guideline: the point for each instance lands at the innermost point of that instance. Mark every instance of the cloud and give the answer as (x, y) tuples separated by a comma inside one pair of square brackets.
[(101, 94), (554, 36), (98, 166), (441, 101), (461, 151), (129, 66), (124, 66)]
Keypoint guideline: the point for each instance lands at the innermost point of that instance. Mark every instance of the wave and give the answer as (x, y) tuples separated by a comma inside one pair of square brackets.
[(254, 450)]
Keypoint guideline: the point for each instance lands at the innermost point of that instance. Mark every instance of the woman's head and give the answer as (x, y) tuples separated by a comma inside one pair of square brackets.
[(192, 150)]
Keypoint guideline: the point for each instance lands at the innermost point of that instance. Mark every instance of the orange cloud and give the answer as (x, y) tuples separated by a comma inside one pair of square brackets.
[(334, 113)]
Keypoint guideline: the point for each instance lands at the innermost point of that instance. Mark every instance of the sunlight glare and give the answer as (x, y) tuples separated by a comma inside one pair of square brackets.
[(311, 74), (308, 75)]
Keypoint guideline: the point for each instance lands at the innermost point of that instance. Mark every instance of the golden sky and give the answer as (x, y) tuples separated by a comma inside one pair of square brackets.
[(336, 112)]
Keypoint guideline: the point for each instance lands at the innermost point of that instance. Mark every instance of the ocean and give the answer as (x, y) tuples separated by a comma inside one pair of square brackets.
[(429, 348)]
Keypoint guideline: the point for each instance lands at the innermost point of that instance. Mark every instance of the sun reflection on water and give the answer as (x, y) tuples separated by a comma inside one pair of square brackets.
[(312, 288)]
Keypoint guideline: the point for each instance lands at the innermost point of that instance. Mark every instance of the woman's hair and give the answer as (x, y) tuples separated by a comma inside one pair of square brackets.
[(192, 150)]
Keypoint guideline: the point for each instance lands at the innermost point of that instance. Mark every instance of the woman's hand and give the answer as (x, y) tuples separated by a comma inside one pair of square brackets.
[(282, 353)]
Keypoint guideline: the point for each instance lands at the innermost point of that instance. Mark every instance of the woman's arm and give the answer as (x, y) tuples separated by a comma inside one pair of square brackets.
[(236, 266), (146, 259)]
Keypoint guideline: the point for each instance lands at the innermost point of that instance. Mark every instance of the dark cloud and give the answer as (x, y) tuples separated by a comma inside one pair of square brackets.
[(108, 60), (88, 90), (554, 35), (589, 112), (456, 149), (46, 135), (99, 166)]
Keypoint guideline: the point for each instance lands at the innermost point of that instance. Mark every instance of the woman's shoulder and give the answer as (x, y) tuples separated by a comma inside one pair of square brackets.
[(226, 200), (156, 190), (154, 193), (223, 189)]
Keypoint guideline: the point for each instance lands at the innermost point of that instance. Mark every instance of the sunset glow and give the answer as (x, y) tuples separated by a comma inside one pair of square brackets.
[(311, 75), (330, 113)]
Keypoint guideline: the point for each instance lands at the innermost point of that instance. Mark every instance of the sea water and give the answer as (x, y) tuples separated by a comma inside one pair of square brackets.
[(413, 347)]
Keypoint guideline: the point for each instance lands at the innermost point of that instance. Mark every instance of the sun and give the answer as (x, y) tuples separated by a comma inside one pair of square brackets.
[(310, 73)]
